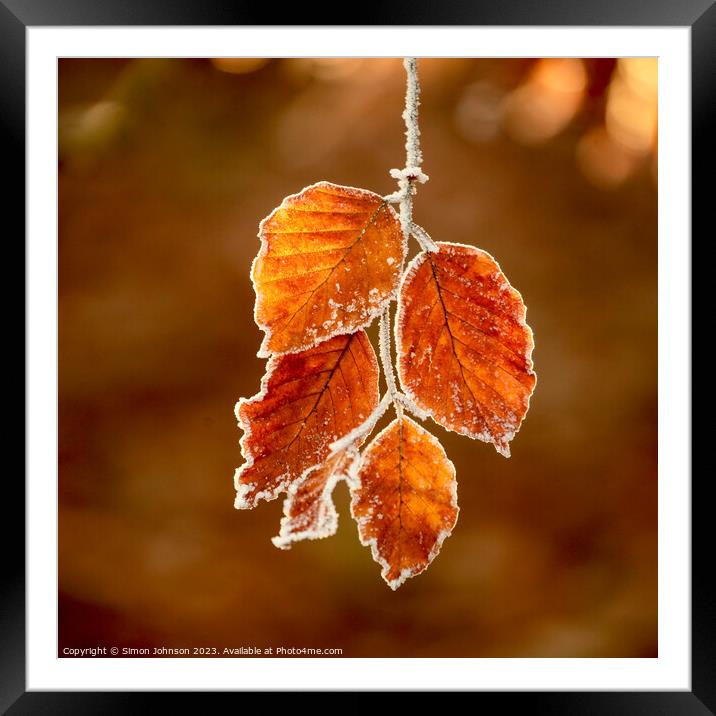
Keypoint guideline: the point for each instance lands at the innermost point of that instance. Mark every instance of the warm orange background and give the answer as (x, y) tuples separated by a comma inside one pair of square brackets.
[(166, 168)]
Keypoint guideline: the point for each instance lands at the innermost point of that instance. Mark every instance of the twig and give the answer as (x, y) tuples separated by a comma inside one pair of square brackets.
[(408, 177), (411, 174), (414, 157), (423, 238), (386, 358), (411, 407)]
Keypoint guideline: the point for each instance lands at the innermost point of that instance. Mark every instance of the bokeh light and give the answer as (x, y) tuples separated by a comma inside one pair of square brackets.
[(239, 65), (547, 101), (631, 116)]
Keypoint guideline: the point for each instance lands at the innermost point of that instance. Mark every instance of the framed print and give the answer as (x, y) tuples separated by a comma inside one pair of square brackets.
[(296, 292)]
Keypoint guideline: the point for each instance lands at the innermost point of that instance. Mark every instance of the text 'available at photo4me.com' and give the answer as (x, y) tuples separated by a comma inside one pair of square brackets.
[(197, 651)]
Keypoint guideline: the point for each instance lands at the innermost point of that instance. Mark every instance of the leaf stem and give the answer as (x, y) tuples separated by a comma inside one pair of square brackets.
[(423, 238), (386, 359)]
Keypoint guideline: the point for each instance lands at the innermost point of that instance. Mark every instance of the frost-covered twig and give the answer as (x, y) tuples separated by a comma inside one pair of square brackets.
[(407, 177), (423, 238), (412, 99), (386, 359), (411, 174), (411, 407)]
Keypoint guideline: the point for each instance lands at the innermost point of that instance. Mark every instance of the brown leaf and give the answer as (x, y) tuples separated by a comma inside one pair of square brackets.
[(329, 261), (309, 512), (404, 500), (307, 400), (465, 351)]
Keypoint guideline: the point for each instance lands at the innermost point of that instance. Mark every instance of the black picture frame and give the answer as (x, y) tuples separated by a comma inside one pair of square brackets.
[(17, 15)]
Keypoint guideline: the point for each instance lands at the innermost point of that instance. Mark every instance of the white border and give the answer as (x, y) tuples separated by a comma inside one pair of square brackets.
[(671, 670)]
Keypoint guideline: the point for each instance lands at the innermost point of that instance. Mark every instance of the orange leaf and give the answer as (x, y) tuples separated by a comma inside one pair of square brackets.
[(465, 351), (309, 512), (404, 500), (307, 400), (329, 261)]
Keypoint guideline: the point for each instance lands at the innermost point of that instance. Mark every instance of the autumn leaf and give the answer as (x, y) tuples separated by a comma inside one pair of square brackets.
[(404, 500), (309, 512), (329, 262), (307, 400), (465, 351)]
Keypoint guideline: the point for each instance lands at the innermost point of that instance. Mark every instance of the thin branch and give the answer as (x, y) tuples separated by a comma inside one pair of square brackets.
[(411, 407), (414, 157), (423, 238), (411, 174), (386, 359), (408, 177)]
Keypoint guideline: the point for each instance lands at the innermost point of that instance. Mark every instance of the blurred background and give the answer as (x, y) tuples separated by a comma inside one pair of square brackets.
[(166, 168)]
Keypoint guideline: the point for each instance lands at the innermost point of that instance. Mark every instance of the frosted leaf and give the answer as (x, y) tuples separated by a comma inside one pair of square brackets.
[(319, 250), (309, 512), (404, 500), (307, 400), (465, 350)]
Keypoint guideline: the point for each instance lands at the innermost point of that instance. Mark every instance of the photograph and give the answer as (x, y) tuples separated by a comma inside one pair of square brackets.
[(357, 357)]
